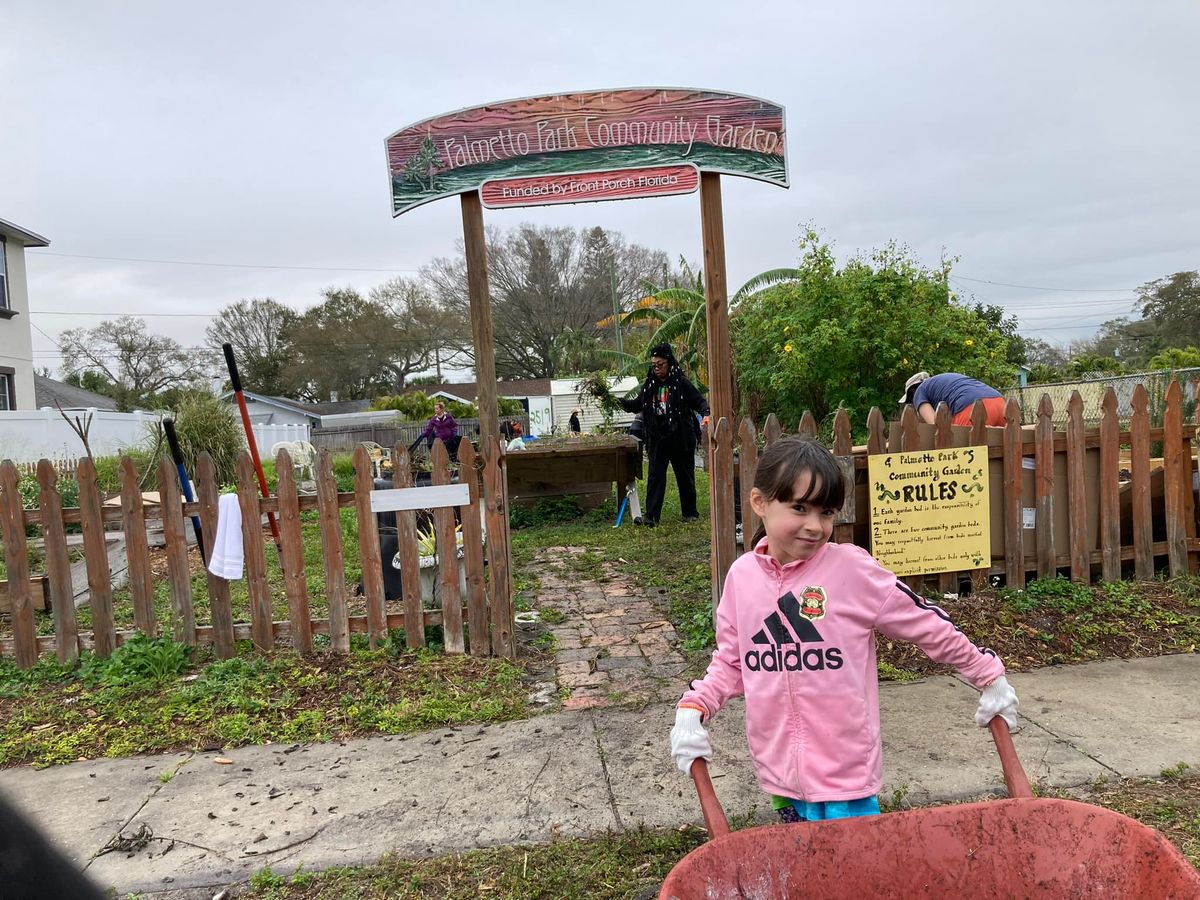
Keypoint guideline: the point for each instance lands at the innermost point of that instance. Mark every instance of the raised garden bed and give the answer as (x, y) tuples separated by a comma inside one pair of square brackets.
[(584, 467)]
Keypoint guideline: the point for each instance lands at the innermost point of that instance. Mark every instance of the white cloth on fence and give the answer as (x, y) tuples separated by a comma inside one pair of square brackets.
[(226, 556)]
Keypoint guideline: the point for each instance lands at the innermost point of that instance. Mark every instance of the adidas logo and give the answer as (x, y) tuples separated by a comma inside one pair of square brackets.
[(775, 637)]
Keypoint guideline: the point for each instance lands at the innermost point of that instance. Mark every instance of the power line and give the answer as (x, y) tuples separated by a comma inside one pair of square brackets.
[(221, 265), (1034, 287)]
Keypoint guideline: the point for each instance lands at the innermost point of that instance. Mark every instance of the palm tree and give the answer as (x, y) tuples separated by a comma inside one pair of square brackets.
[(679, 312)]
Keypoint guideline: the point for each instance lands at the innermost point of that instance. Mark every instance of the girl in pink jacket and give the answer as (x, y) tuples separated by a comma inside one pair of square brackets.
[(796, 634)]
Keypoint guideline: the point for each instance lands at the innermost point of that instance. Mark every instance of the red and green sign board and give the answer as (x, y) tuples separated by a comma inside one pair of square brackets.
[(614, 184), (599, 145)]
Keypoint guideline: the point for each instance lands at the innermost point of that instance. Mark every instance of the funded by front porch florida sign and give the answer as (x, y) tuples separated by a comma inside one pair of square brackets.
[(597, 145)]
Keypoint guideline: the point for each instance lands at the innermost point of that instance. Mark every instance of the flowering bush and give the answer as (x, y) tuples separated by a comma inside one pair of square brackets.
[(851, 336)]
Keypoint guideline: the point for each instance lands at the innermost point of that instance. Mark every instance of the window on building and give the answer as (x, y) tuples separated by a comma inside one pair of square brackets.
[(3, 277), (8, 396)]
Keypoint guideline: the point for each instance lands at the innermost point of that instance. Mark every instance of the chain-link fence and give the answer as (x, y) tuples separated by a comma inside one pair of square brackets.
[(1091, 391)]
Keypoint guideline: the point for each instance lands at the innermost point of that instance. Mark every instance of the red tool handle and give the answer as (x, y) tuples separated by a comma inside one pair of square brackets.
[(1014, 778), (1014, 774), (236, 381), (714, 815)]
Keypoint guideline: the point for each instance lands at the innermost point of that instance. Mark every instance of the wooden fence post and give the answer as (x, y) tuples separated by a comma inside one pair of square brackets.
[(410, 557), (16, 558), (910, 441), (219, 608), (58, 564), (978, 438), (170, 500), (1043, 455), (368, 547), (331, 554), (137, 549), (723, 541), (447, 551), (876, 432), (292, 557), (943, 439), (95, 550), (1110, 489), (1014, 538), (1174, 486), (472, 527), (1139, 465), (808, 426), (843, 447), (748, 463), (499, 593), (1081, 565), (771, 430), (262, 617)]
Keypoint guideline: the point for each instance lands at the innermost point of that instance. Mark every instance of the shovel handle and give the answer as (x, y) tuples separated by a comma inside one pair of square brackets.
[(714, 815), (1014, 775)]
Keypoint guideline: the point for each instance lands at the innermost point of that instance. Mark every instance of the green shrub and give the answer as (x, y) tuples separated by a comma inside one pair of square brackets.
[(343, 472), (415, 406), (205, 423), (139, 660)]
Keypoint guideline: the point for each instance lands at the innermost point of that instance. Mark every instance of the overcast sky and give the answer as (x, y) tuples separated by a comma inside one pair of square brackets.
[(1052, 145)]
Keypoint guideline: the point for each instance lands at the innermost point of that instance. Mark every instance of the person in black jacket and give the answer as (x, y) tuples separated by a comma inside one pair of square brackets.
[(668, 403)]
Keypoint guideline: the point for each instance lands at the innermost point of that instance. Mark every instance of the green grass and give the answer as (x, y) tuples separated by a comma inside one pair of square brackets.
[(156, 698), (630, 864), (604, 868)]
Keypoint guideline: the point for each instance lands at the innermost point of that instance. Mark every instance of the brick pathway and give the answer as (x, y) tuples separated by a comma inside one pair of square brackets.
[(613, 646)]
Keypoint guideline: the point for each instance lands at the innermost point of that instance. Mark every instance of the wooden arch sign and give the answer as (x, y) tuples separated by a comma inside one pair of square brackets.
[(583, 147)]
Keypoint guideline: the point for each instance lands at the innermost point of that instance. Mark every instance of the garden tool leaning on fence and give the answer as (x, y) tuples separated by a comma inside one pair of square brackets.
[(632, 503)]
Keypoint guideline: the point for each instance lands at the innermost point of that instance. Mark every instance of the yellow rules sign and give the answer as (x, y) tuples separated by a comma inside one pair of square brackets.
[(929, 510)]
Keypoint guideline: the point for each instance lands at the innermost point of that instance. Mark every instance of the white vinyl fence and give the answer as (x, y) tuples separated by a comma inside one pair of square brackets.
[(266, 436), (29, 435)]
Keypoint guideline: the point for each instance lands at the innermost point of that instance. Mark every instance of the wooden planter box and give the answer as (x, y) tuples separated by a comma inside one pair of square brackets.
[(586, 471)]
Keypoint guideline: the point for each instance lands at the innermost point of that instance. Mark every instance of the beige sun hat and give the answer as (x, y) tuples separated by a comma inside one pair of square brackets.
[(912, 383)]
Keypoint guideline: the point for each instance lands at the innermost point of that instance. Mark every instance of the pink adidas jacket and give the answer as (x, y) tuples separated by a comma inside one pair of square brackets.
[(799, 642)]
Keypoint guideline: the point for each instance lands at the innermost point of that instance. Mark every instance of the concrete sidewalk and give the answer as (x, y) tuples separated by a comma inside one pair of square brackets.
[(565, 774)]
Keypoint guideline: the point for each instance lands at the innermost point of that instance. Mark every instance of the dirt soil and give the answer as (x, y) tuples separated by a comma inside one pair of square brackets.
[(1157, 619)]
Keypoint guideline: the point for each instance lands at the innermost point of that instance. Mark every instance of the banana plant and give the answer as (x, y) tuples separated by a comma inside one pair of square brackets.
[(680, 315)]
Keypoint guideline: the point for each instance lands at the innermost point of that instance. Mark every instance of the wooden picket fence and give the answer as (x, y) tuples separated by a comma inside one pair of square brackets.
[(487, 608), (1088, 523)]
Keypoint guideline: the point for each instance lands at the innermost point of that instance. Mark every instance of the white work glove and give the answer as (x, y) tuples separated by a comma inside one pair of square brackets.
[(998, 699), (689, 740)]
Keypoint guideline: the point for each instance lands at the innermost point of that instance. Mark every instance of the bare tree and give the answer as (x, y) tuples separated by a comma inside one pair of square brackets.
[(544, 282), (259, 331), (137, 363), (433, 333)]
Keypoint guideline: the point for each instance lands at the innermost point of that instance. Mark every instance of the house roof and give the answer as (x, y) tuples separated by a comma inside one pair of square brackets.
[(314, 410), (339, 407), (468, 390), (48, 392), (22, 236), (282, 402)]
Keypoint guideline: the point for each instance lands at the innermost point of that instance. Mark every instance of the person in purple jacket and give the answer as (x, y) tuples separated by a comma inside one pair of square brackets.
[(796, 637), (443, 426)]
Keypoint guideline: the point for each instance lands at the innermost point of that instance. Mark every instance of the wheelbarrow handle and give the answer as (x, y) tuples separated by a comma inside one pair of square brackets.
[(714, 815), (1014, 778), (1014, 775)]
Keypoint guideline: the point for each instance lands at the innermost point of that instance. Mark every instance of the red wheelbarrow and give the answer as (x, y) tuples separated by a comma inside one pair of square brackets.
[(1020, 847)]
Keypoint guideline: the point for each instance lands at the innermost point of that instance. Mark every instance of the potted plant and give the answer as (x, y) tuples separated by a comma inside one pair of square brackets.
[(431, 582)]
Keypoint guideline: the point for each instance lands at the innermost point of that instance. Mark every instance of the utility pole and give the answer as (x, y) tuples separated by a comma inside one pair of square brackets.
[(612, 277)]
